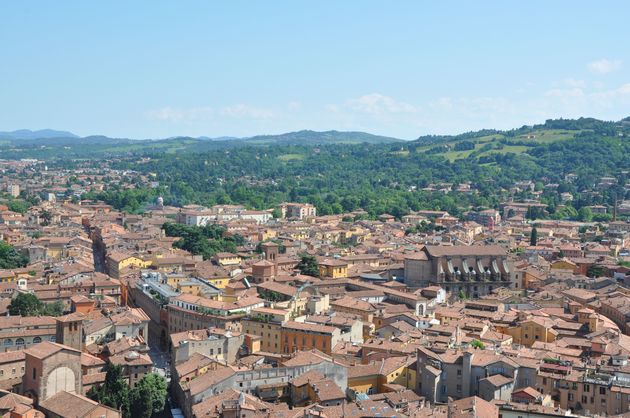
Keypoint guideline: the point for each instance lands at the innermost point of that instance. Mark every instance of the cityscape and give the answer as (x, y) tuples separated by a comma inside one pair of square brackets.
[(237, 219)]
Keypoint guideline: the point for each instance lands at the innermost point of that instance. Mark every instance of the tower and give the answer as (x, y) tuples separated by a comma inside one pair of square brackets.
[(271, 250), (70, 330)]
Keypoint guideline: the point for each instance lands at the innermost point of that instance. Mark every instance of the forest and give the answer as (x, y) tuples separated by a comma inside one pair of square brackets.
[(393, 178)]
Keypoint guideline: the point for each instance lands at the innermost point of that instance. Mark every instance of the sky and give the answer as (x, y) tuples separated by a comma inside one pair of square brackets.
[(155, 69)]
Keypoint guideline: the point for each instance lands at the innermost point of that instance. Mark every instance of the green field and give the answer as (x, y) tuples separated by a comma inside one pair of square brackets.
[(541, 136), (291, 157)]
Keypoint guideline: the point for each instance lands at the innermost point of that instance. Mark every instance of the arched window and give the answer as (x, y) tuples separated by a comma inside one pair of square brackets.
[(8, 342), (37, 340), (19, 341)]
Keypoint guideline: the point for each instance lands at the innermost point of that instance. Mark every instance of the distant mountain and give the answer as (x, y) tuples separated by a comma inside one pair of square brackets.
[(218, 138), (40, 134), (307, 137)]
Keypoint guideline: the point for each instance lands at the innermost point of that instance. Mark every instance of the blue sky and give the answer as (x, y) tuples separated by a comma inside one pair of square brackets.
[(145, 69)]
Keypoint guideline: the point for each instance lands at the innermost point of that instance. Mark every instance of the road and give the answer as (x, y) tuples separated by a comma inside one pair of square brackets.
[(160, 358)]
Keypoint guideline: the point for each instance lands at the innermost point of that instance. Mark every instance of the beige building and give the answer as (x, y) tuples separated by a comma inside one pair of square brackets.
[(266, 323)]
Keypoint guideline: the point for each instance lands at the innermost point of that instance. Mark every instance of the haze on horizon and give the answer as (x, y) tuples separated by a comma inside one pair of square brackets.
[(152, 69)]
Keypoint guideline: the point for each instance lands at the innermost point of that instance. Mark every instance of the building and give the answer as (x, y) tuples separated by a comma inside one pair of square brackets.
[(227, 259), (215, 343), (67, 404), (298, 210), (13, 190), (266, 323), (333, 269), (18, 333), (487, 218), (298, 336), (70, 330), (474, 270), (50, 369)]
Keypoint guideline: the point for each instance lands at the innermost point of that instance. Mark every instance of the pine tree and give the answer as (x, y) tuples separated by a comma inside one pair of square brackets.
[(533, 238)]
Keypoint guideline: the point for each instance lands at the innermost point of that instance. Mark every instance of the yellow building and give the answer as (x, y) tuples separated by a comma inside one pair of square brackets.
[(227, 259), (374, 378), (117, 263), (564, 264), (333, 269), (532, 330), (266, 324), (219, 282)]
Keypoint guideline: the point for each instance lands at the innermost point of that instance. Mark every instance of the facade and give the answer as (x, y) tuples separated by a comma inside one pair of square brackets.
[(298, 336), (486, 218), (215, 343), (18, 333), (50, 369), (333, 269), (266, 323), (298, 210), (475, 270)]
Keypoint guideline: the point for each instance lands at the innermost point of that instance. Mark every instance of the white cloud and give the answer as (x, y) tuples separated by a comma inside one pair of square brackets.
[(604, 66), (172, 114), (246, 111), (574, 92), (378, 104)]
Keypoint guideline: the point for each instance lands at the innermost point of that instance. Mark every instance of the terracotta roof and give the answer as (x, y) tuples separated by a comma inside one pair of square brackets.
[(47, 348), (66, 405)]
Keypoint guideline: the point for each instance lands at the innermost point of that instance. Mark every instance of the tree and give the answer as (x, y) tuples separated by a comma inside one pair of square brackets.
[(308, 265), (585, 214), (10, 258), (533, 237), (462, 294), (115, 391), (55, 308), (148, 397), (477, 344), (26, 304), (595, 271)]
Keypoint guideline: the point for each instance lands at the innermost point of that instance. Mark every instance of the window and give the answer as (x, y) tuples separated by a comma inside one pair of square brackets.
[(602, 390), (587, 388), (570, 397), (34, 373), (459, 372), (584, 399), (37, 340), (8, 342), (459, 388)]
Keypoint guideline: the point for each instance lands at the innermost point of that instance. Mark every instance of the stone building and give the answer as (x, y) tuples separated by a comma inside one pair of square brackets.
[(50, 369), (475, 270)]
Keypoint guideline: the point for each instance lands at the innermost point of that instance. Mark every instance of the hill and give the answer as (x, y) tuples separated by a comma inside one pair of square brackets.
[(40, 134), (482, 143), (307, 137)]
